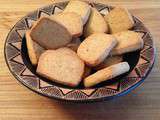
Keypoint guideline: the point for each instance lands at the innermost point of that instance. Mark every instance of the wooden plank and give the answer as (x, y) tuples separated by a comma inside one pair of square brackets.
[(19, 103)]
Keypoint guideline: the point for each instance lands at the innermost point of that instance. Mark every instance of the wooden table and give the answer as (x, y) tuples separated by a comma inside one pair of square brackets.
[(19, 103)]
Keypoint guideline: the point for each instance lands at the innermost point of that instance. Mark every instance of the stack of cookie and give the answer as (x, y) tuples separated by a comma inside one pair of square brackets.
[(55, 48)]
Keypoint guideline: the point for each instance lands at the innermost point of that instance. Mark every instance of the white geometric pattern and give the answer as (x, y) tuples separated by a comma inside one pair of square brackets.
[(44, 84), (57, 10), (104, 11), (21, 32), (18, 59), (30, 22), (43, 14), (17, 45)]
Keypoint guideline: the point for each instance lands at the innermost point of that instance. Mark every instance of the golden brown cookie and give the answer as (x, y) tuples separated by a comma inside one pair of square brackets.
[(34, 49), (87, 71), (128, 41), (95, 24), (79, 7), (71, 21), (106, 74), (61, 66), (95, 48), (119, 19)]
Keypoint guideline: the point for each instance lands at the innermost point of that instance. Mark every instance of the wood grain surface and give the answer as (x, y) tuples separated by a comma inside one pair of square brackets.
[(19, 103)]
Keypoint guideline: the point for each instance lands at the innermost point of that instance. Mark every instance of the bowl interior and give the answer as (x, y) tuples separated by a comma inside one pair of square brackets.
[(132, 58)]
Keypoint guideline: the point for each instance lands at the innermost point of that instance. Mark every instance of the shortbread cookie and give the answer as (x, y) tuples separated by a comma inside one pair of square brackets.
[(34, 49), (119, 19), (95, 48), (74, 44), (87, 71), (50, 34), (61, 66), (95, 24), (110, 60), (79, 7), (128, 41), (106, 74), (71, 21)]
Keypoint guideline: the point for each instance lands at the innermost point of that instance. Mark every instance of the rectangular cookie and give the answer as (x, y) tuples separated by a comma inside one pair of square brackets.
[(50, 34), (62, 66), (95, 48), (79, 7), (119, 19), (87, 71), (34, 49), (71, 21), (110, 60), (106, 74), (95, 24), (128, 41)]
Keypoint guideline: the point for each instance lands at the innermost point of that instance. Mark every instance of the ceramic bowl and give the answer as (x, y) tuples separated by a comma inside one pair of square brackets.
[(20, 66)]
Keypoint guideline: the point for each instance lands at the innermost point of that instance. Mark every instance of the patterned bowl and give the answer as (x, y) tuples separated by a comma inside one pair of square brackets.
[(20, 66)]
